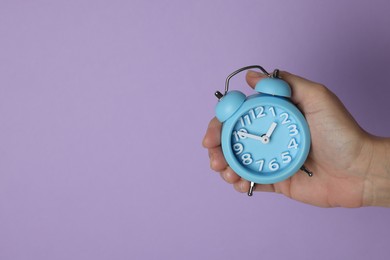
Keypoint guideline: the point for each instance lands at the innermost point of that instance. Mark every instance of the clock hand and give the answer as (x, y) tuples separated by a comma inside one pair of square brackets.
[(271, 129), (255, 137), (266, 137)]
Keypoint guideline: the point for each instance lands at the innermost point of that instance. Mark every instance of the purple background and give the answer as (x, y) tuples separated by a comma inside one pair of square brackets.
[(103, 106)]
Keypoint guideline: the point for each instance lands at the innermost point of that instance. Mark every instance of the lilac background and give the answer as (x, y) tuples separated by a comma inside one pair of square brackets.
[(103, 106)]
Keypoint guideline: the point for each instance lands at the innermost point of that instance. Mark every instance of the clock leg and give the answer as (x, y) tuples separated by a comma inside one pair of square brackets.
[(251, 188), (303, 168)]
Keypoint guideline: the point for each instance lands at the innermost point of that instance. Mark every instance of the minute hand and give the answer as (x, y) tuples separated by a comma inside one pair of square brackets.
[(255, 137)]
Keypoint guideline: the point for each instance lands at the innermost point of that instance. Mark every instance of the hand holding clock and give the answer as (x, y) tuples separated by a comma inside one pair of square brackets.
[(350, 165)]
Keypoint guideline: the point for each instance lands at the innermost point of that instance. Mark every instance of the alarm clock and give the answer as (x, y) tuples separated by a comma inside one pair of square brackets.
[(265, 138)]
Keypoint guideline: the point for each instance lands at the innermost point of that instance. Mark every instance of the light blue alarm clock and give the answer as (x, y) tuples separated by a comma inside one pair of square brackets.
[(265, 138)]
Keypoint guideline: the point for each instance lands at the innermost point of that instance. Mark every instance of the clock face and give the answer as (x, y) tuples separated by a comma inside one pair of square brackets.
[(267, 139)]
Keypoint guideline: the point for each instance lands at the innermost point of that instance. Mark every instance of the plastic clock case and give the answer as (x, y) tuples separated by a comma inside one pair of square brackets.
[(275, 93)]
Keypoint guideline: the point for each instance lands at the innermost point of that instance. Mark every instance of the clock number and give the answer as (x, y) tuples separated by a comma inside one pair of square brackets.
[(285, 120), (245, 118), (272, 109), (246, 159), (292, 144), (252, 113), (273, 165), (237, 136), (260, 112), (286, 157), (261, 162), (293, 130), (238, 148)]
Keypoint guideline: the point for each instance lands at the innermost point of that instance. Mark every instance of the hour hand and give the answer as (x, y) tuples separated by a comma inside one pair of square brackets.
[(271, 129), (266, 137)]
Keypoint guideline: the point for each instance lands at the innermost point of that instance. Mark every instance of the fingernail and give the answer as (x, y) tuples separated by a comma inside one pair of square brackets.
[(212, 162), (242, 186), (252, 73)]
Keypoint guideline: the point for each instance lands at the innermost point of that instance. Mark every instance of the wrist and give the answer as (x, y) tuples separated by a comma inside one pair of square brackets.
[(377, 181)]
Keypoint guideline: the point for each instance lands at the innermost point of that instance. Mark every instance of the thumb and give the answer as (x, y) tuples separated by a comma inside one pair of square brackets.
[(303, 90), (252, 77)]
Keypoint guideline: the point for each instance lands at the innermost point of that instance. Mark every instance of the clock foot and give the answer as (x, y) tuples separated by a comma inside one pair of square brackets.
[(251, 188), (303, 168)]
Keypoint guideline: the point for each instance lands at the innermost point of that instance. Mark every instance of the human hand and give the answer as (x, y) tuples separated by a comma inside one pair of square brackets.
[(341, 158)]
